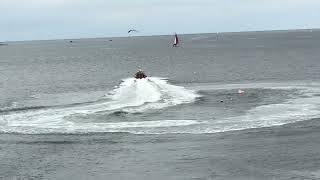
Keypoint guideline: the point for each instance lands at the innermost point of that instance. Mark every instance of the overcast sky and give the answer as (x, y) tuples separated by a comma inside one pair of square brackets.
[(59, 19)]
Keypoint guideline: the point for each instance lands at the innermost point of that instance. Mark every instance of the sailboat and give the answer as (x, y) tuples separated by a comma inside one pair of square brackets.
[(176, 40)]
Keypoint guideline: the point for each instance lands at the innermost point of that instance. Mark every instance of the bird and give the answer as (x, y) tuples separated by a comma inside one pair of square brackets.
[(132, 30)]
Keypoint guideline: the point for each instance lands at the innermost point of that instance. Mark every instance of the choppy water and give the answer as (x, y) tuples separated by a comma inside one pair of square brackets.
[(148, 106), (86, 87)]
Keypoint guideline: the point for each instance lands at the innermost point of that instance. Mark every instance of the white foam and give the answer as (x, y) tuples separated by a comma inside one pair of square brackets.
[(299, 108), (270, 85), (138, 124), (142, 95), (138, 127), (295, 109), (132, 95), (274, 115)]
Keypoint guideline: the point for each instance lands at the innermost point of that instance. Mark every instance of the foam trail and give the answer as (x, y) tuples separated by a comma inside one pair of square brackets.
[(156, 93), (299, 108), (132, 95)]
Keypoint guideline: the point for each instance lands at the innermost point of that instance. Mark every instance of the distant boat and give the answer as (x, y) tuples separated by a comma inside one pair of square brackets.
[(140, 75), (176, 40)]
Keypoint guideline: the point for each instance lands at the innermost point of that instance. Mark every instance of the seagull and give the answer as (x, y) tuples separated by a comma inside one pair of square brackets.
[(132, 30)]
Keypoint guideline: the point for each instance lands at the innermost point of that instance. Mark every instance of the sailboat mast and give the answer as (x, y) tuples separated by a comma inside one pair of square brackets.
[(176, 40)]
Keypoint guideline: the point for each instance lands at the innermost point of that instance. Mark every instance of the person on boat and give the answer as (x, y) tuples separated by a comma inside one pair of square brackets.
[(140, 74)]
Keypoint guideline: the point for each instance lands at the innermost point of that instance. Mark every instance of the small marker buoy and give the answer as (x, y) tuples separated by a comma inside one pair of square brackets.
[(240, 91)]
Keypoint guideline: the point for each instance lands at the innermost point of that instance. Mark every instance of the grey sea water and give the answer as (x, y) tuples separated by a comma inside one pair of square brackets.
[(73, 110)]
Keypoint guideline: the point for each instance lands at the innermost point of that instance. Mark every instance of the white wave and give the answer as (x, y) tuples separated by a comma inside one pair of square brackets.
[(274, 115), (156, 93), (132, 95), (305, 106), (139, 95), (131, 127), (266, 85), (295, 109)]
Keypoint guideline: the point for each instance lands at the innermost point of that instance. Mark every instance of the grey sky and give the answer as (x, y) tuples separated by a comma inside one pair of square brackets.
[(58, 19)]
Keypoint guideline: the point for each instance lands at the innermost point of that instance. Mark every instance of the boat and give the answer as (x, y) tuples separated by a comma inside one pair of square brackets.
[(176, 40), (140, 75)]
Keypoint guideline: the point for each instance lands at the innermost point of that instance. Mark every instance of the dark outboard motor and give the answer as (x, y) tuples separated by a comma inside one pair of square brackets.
[(140, 75)]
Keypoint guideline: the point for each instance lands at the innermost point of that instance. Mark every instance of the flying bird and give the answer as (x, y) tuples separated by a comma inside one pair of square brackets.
[(132, 30)]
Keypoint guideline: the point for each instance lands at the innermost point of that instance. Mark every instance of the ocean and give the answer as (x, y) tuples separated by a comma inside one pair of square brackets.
[(220, 106)]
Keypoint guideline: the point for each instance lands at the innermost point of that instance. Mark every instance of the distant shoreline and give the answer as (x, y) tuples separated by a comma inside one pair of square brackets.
[(226, 32)]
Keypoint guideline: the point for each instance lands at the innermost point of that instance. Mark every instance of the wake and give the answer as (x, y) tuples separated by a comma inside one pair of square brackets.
[(151, 93), (132, 96)]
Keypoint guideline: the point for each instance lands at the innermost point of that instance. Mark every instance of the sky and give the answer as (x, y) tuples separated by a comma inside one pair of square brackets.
[(68, 19)]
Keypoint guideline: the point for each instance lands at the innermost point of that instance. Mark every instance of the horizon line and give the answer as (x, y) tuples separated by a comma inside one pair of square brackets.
[(221, 32)]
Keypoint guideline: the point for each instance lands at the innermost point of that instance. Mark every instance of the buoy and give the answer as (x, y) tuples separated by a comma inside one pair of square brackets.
[(240, 91)]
